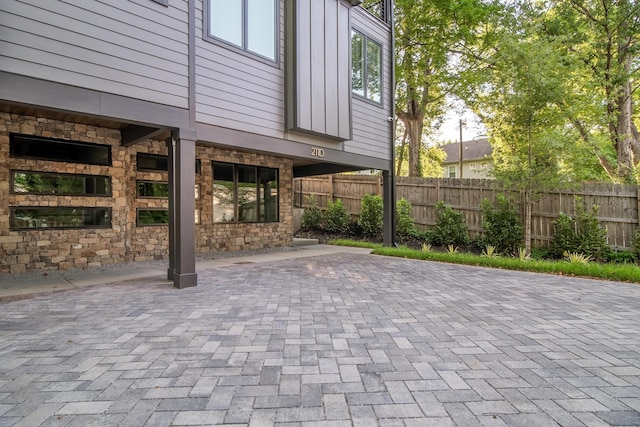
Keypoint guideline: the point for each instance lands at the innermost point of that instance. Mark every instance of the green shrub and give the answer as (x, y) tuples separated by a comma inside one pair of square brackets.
[(312, 215), (501, 226), (542, 252), (621, 257), (405, 226), (591, 237), (582, 234), (336, 218), (371, 215), (564, 236), (636, 243), (450, 228)]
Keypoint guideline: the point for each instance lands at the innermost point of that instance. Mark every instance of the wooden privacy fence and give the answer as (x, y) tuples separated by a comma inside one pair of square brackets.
[(618, 204)]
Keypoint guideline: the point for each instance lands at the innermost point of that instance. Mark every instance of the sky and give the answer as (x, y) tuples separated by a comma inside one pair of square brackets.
[(450, 129)]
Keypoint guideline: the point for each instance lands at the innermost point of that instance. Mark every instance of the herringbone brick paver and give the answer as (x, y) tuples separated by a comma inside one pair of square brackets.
[(337, 340)]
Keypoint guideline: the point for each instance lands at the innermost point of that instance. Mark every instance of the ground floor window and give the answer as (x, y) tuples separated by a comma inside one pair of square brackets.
[(25, 218), (152, 217), (60, 184), (244, 193), (158, 217), (152, 189), (59, 150)]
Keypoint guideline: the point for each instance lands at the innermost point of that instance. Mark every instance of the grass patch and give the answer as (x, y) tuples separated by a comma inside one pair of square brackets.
[(614, 272), (355, 243)]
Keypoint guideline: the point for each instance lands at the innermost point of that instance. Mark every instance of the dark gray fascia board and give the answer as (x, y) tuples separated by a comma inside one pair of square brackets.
[(132, 134), (356, 2), (281, 147), (37, 93)]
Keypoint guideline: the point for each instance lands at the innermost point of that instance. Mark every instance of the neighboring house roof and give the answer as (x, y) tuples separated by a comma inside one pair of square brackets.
[(477, 149)]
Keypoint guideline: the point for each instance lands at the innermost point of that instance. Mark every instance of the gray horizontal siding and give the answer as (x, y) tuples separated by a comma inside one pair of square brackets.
[(371, 127), (132, 48), (371, 131), (235, 90)]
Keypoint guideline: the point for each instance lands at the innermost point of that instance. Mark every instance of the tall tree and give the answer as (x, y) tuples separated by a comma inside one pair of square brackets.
[(520, 100), (602, 39), (427, 35)]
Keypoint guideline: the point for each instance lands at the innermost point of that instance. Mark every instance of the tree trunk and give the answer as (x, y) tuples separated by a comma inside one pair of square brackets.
[(414, 127), (413, 120), (403, 146), (626, 132)]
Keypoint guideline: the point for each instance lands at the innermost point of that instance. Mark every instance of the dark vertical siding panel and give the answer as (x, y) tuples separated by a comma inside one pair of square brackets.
[(331, 55), (320, 90), (303, 56), (344, 72), (318, 68)]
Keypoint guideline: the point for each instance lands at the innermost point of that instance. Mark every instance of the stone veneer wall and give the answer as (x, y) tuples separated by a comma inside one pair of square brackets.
[(148, 242), (212, 237), (22, 251)]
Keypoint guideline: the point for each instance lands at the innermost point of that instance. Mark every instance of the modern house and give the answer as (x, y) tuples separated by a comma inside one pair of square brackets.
[(476, 159), (149, 129)]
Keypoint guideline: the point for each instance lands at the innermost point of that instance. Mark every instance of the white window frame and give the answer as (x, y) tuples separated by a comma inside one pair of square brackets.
[(243, 48), (365, 40)]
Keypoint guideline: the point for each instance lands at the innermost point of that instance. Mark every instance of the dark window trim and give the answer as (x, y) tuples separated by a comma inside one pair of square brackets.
[(243, 50), (162, 2), (364, 98), (152, 224), (13, 171), (235, 193), (84, 227), (12, 141)]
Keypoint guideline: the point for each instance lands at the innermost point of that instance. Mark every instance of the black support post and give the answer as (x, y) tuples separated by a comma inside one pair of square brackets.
[(182, 160), (389, 215)]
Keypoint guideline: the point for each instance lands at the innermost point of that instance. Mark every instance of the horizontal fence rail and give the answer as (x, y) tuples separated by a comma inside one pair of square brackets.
[(618, 205)]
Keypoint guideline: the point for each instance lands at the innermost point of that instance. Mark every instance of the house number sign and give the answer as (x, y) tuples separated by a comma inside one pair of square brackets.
[(317, 152)]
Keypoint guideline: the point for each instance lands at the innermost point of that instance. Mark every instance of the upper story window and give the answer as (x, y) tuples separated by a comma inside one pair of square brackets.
[(249, 25), (366, 67)]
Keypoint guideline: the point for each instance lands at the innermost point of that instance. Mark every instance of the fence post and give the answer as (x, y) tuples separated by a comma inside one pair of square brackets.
[(638, 211), (330, 188)]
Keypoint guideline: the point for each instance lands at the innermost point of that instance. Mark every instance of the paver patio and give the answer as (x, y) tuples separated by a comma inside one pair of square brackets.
[(336, 340)]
